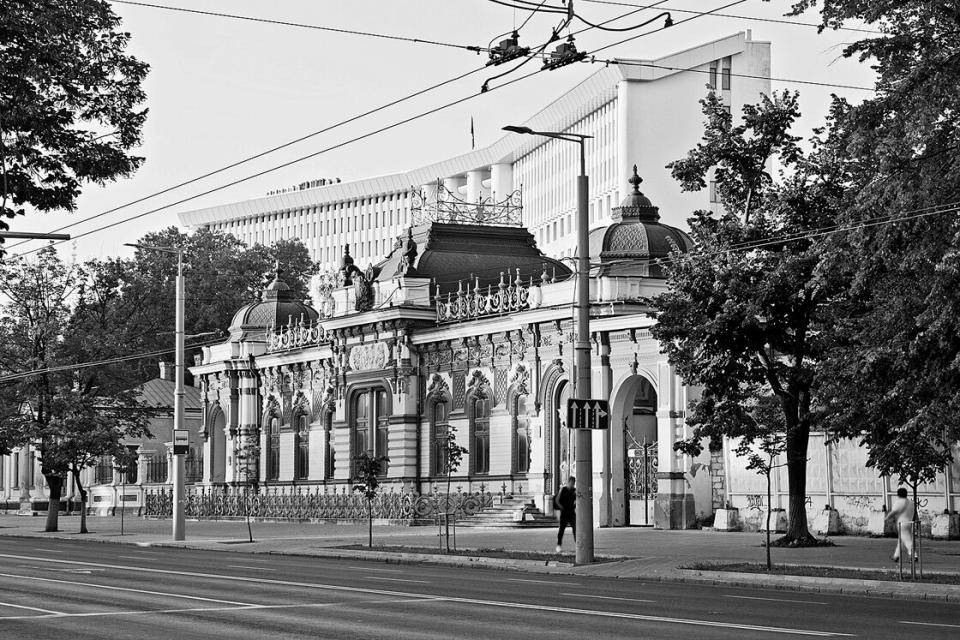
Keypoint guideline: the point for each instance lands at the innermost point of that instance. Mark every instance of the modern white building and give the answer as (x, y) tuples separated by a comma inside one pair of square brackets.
[(644, 112)]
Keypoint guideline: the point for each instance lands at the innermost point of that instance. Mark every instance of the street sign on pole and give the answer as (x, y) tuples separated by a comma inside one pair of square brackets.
[(181, 442), (588, 414)]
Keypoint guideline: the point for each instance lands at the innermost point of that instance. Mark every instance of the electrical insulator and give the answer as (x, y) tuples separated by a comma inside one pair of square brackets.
[(507, 50), (565, 53)]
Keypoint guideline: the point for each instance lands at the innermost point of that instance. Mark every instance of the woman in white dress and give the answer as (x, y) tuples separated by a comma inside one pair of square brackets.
[(902, 511)]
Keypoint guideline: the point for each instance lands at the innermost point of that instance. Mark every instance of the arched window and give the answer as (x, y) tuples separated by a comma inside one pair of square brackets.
[(273, 449), (521, 436), (440, 424), (301, 448), (330, 454), (480, 438), (382, 447)]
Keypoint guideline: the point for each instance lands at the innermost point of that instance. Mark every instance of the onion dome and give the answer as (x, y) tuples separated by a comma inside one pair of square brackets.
[(636, 239), (277, 308)]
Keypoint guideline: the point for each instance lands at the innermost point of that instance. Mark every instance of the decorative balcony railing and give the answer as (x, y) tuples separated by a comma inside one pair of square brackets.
[(296, 335), (506, 297), (445, 206)]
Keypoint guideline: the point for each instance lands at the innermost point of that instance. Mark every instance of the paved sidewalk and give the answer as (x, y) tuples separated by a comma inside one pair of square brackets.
[(648, 553)]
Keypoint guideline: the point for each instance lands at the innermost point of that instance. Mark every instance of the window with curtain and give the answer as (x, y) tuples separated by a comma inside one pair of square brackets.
[(301, 448), (441, 426), (382, 447), (480, 430), (273, 449)]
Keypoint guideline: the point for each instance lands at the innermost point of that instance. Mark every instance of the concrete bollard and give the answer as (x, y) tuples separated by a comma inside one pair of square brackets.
[(726, 519), (778, 521), (827, 522)]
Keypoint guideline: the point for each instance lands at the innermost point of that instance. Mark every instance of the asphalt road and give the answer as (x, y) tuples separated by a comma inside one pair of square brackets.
[(77, 590)]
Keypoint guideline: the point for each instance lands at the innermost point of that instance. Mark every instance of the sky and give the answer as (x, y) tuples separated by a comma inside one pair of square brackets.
[(220, 90)]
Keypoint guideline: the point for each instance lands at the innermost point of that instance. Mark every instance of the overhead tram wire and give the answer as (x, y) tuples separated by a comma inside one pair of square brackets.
[(248, 159), (301, 25), (281, 166), (795, 23), (20, 375), (261, 154), (819, 232)]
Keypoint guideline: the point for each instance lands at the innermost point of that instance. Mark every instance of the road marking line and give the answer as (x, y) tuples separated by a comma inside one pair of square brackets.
[(776, 599), (20, 606), (395, 579), (131, 557), (254, 607), (570, 584), (113, 588), (932, 624), (585, 595), (241, 566), (373, 569), (49, 550), (422, 596)]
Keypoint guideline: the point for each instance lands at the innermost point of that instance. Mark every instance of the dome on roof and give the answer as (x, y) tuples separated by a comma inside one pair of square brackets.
[(276, 308), (630, 245)]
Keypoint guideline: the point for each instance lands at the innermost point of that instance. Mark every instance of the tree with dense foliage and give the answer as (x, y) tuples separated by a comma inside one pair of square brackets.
[(62, 411), (127, 306), (70, 101), (743, 309), (891, 374)]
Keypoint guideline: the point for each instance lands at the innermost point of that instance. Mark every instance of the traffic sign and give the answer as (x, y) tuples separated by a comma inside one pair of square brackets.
[(181, 441), (588, 414)]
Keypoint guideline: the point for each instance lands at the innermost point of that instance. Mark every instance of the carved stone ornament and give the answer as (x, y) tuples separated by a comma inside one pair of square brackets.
[(479, 384), (438, 386), (520, 378), (367, 357)]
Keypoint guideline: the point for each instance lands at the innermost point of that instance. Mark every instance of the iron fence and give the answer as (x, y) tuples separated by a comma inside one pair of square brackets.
[(317, 503)]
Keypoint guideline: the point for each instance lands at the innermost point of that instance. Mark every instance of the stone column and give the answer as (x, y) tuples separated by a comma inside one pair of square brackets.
[(26, 459), (248, 421), (674, 504), (475, 188), (603, 385), (501, 180)]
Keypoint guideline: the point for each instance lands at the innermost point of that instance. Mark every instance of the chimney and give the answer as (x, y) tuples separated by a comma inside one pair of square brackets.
[(167, 370)]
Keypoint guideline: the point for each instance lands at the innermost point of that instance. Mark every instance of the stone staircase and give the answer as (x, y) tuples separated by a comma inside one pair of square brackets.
[(514, 512)]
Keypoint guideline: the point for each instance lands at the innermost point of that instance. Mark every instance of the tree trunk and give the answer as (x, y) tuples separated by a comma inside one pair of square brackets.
[(247, 504), (798, 437), (369, 524), (55, 485), (769, 506), (83, 499)]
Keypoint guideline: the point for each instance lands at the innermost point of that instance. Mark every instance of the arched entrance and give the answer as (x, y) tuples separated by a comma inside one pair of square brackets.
[(633, 452), (563, 459)]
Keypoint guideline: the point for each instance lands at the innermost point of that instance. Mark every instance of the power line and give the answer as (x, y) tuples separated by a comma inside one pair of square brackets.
[(795, 23), (86, 365), (736, 75), (300, 25), (286, 164), (260, 154)]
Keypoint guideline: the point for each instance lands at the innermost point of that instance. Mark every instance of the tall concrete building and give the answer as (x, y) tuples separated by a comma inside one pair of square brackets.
[(643, 112)]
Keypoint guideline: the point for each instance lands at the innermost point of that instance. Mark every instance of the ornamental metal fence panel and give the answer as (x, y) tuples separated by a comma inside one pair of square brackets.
[(313, 503)]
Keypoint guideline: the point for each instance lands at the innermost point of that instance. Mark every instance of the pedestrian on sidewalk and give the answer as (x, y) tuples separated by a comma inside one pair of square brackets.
[(902, 511), (565, 502)]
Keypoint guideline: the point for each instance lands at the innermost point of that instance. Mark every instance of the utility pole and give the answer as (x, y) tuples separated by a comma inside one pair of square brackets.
[(582, 389), (179, 488)]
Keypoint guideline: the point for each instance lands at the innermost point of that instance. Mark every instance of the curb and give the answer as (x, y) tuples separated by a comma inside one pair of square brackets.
[(813, 584)]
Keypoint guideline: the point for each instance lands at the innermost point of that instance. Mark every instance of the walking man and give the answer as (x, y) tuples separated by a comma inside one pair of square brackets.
[(902, 511), (565, 502)]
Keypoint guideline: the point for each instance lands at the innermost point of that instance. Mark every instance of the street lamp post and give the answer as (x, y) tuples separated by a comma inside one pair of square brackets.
[(179, 492), (582, 389)]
